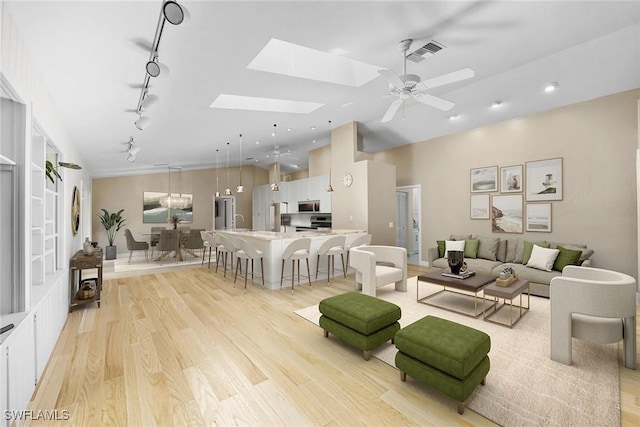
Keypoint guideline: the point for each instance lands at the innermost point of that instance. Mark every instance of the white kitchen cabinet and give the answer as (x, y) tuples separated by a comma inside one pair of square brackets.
[(259, 201), (292, 196)]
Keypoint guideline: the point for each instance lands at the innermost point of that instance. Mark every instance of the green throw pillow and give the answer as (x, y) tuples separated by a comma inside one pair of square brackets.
[(441, 248), (566, 257), (528, 247), (471, 248)]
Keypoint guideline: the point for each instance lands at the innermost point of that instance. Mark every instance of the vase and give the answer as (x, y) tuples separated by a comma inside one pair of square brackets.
[(87, 247), (455, 260), (110, 252)]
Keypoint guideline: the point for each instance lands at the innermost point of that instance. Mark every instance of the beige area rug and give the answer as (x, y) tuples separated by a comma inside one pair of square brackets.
[(524, 386), (121, 263)]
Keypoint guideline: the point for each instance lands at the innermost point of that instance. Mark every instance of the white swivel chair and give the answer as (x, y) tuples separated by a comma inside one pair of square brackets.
[(595, 305), (246, 251), (295, 251), (331, 247), (377, 266), (363, 239)]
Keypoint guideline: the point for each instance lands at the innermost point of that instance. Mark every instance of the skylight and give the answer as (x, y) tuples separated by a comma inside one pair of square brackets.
[(290, 59), (237, 102)]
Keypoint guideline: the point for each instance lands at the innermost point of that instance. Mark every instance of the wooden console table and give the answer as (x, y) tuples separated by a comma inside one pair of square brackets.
[(80, 262)]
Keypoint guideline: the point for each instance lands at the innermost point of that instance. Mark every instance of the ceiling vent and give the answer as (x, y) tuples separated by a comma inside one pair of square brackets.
[(430, 48)]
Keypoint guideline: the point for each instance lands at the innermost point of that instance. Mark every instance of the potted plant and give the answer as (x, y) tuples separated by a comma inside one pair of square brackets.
[(175, 219), (112, 223), (52, 172)]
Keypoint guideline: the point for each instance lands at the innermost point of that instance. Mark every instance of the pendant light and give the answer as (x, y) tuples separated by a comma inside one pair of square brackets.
[(274, 185), (227, 191), (217, 175), (240, 188), (329, 188), (174, 202)]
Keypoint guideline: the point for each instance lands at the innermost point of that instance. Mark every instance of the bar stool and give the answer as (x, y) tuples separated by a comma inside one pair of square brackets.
[(225, 247), (331, 247), (247, 252), (363, 239), (295, 251), (209, 242)]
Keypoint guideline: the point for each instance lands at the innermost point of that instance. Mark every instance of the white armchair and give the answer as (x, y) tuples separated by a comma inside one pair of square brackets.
[(595, 305), (378, 266)]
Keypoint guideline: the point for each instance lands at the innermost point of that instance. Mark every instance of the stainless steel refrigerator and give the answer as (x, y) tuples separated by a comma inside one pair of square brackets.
[(274, 215)]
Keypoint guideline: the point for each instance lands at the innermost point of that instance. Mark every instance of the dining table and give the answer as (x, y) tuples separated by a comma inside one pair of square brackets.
[(182, 237)]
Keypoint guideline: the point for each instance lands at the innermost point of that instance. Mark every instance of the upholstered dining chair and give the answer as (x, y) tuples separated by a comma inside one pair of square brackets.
[(155, 237), (330, 248), (194, 241), (295, 251), (595, 305), (168, 243), (378, 265), (134, 245)]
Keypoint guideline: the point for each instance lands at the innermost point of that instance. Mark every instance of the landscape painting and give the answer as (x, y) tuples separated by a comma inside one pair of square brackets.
[(484, 179), (154, 213), (479, 206), (539, 217), (506, 214), (544, 180)]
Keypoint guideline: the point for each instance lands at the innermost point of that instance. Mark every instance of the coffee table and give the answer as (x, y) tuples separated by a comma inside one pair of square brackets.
[(471, 286), (507, 293)]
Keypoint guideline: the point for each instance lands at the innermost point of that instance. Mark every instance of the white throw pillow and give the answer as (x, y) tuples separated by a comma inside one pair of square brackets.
[(542, 258), (453, 245)]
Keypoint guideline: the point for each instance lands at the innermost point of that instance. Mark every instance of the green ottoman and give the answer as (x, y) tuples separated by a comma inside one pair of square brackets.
[(361, 320), (445, 355)]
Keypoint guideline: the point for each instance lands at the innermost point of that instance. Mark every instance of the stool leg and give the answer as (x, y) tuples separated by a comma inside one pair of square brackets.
[(308, 274), (317, 266), (282, 273), (403, 376), (329, 268), (262, 271), (246, 272), (366, 355), (461, 408), (344, 272), (293, 271)]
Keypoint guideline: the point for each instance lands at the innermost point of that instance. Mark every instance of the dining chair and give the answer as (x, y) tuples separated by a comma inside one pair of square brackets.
[(295, 251), (330, 248), (168, 243), (134, 245), (155, 237), (194, 241)]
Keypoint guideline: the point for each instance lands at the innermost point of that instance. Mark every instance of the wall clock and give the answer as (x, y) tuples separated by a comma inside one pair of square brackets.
[(347, 180), (75, 211)]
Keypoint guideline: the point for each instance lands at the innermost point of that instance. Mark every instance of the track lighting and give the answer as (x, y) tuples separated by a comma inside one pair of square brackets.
[(142, 122), (174, 13), (131, 157), (149, 100), (134, 149), (156, 68)]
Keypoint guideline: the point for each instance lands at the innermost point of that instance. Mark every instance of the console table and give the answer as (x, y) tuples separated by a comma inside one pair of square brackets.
[(80, 262)]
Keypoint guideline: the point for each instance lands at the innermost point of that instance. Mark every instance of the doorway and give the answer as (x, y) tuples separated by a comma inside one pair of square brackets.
[(408, 210)]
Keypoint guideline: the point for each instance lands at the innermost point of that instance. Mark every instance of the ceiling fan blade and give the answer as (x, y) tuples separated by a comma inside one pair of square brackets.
[(434, 101), (445, 79), (393, 108), (391, 77)]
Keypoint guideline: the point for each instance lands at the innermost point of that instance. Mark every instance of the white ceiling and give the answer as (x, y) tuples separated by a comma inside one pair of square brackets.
[(90, 56)]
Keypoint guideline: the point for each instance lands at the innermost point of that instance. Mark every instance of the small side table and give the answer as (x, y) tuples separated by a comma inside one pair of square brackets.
[(506, 293), (80, 262)]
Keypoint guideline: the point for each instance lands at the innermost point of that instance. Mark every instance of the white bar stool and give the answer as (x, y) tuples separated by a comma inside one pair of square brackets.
[(247, 252), (295, 251), (331, 247)]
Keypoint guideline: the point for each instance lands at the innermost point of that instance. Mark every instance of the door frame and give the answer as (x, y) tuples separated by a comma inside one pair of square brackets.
[(418, 192)]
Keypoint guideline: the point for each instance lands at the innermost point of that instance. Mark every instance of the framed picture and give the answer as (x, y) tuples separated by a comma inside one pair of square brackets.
[(154, 211), (544, 180), (484, 179), (479, 206), (511, 179), (506, 214), (538, 217)]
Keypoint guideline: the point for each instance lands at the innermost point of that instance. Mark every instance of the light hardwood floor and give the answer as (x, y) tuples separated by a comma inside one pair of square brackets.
[(187, 348)]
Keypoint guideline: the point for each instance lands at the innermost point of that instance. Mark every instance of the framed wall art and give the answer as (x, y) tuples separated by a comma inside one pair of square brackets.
[(506, 214), (484, 180), (479, 206), (155, 212), (511, 179), (538, 217), (544, 180)]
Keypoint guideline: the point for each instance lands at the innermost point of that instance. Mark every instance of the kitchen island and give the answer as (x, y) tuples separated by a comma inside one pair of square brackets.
[(273, 243)]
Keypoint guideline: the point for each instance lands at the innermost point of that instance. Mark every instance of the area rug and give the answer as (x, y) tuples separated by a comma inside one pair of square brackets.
[(524, 386), (139, 263)]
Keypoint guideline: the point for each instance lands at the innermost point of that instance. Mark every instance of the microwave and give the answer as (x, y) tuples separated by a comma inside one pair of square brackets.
[(309, 206)]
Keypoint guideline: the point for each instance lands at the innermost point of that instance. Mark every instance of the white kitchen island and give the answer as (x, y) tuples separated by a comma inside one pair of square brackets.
[(273, 243)]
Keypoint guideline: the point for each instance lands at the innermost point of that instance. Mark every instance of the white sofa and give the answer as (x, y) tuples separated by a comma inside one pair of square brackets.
[(496, 253), (377, 266)]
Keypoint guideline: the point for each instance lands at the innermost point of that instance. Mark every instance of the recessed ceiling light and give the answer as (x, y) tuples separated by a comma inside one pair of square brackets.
[(551, 87), (237, 102), (290, 59), (289, 129), (257, 142), (314, 141), (453, 117), (313, 128), (497, 103)]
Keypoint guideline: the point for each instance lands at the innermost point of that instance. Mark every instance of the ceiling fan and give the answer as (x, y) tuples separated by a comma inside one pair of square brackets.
[(408, 86)]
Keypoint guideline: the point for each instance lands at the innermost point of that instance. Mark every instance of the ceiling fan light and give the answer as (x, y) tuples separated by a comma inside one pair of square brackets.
[(551, 87), (174, 13), (142, 122), (134, 149)]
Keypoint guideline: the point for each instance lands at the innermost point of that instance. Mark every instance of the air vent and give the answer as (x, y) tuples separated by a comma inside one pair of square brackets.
[(431, 48)]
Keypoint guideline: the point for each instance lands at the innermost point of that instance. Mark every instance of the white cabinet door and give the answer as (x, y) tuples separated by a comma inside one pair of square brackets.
[(293, 197), (4, 376), (21, 365)]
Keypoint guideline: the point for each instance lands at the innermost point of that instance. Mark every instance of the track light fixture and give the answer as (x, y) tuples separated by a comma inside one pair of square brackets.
[(142, 122), (132, 150), (174, 13)]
